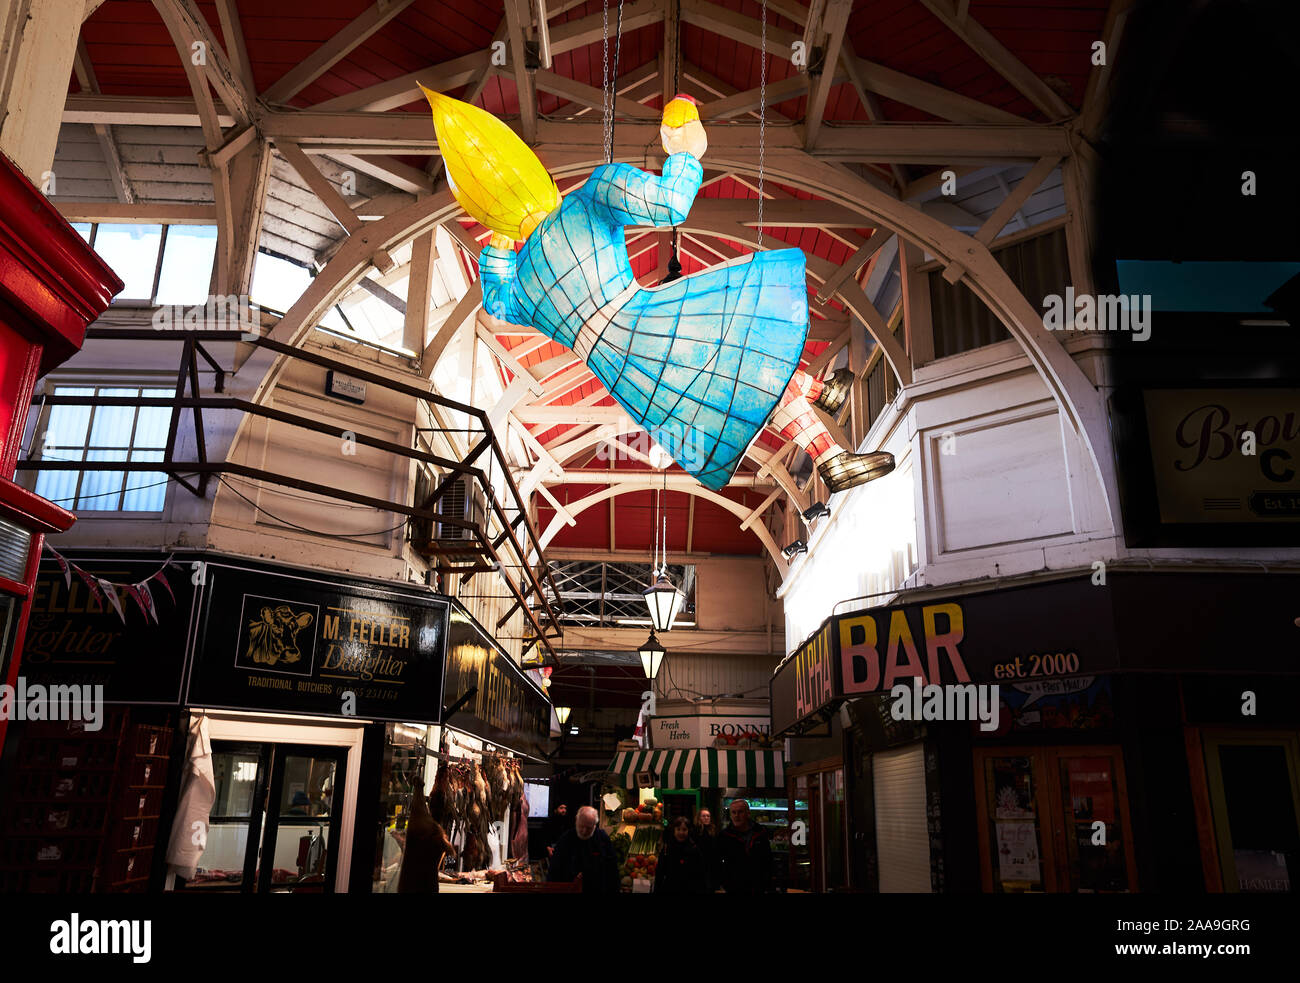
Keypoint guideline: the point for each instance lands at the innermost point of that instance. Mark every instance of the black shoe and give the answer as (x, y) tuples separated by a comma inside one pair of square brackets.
[(848, 470), (835, 390)]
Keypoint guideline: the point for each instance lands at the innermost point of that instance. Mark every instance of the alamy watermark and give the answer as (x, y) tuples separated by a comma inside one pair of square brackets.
[(221, 312), (1103, 312), (690, 450), (37, 702), (102, 937), (932, 701)]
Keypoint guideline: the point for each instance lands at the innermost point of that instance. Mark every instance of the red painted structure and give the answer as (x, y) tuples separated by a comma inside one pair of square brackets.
[(51, 286)]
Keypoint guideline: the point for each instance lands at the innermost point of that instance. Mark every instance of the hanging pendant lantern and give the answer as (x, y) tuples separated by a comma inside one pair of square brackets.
[(652, 656), (664, 600)]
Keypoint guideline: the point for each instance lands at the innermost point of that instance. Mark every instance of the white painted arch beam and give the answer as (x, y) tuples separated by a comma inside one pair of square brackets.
[(694, 489)]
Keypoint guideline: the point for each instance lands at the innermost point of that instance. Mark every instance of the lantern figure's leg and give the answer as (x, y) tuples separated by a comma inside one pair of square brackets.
[(795, 419)]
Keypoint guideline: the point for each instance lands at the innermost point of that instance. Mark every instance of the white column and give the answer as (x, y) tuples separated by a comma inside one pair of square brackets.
[(38, 41)]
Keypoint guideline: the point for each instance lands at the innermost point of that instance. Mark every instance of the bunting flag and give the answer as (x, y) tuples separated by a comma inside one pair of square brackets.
[(134, 592), (63, 567), (161, 579), (106, 592), (92, 583), (146, 599), (109, 590)]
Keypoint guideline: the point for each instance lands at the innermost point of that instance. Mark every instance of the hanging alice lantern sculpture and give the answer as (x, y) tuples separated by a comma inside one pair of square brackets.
[(703, 362)]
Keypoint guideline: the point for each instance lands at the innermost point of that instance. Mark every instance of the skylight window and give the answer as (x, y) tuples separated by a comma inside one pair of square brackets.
[(187, 264), (132, 252)]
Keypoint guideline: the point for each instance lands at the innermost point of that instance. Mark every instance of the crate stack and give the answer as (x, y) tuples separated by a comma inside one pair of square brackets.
[(59, 808), (134, 823), (83, 806)]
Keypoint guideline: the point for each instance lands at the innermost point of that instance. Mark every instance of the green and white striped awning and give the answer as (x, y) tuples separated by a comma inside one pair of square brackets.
[(703, 767)]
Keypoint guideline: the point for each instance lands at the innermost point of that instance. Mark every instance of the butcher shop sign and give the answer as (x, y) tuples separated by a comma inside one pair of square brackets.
[(297, 644)]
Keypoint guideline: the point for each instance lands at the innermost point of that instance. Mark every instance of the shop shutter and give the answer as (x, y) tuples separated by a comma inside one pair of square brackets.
[(902, 840)]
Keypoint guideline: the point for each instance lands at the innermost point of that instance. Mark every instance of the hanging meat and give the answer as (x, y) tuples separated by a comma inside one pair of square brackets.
[(498, 782), (442, 798), (516, 780), (519, 839)]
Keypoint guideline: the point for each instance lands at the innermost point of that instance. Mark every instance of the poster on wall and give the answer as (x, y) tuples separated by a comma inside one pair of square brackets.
[(1074, 703), (1018, 851), (1091, 788), (301, 644), (77, 634)]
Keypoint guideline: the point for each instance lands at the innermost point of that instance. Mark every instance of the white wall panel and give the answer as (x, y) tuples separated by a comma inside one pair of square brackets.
[(1000, 481)]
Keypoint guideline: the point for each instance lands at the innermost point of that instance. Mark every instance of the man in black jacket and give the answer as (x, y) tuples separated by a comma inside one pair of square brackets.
[(744, 857), (587, 851)]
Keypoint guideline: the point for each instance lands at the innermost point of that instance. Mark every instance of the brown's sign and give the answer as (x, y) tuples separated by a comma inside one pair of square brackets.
[(1225, 455)]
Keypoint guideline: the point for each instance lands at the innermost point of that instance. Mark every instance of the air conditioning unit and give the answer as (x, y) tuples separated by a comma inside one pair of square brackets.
[(463, 500)]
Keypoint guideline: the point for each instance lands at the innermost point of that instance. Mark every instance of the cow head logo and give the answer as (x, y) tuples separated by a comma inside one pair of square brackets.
[(273, 635)]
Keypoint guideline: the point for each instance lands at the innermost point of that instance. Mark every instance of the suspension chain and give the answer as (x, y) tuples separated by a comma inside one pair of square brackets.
[(762, 123), (606, 104)]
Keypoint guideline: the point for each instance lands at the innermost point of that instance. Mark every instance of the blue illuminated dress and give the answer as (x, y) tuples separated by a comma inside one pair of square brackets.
[(699, 363)]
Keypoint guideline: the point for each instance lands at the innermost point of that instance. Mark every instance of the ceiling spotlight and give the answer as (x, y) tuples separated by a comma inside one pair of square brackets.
[(795, 548), (815, 511)]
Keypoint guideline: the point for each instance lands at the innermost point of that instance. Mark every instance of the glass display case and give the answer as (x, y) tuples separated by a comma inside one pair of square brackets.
[(405, 747), (774, 814)]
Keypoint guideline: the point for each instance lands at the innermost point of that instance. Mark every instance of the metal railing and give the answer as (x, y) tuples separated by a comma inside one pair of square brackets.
[(533, 589)]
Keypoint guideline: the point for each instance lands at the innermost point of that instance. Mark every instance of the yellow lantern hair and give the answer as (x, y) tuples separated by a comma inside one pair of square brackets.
[(493, 174)]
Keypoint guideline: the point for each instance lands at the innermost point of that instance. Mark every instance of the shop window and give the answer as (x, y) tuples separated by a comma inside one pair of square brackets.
[(1255, 797), (273, 825), (105, 433), (817, 858), (408, 764), (1055, 820)]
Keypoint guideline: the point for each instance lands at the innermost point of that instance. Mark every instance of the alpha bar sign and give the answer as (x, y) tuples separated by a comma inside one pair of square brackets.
[(505, 707), (299, 644), (1015, 637), (808, 681)]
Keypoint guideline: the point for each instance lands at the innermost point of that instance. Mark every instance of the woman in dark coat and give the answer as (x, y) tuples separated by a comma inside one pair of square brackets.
[(681, 868), (706, 838)]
